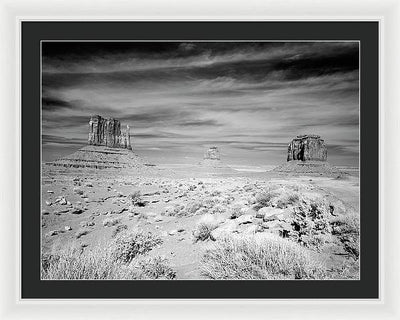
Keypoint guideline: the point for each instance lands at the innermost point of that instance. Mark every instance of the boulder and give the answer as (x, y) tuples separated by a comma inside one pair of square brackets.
[(228, 227), (246, 218), (269, 213)]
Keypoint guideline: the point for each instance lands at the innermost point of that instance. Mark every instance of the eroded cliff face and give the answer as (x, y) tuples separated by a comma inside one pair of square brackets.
[(307, 148), (107, 132)]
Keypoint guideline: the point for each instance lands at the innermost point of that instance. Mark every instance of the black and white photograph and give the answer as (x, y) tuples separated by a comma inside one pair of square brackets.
[(200, 160)]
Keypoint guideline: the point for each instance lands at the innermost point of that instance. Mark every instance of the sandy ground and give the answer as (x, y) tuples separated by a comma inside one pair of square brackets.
[(104, 194)]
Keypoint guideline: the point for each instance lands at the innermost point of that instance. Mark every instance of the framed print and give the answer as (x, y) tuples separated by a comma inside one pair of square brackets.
[(165, 158), (229, 156)]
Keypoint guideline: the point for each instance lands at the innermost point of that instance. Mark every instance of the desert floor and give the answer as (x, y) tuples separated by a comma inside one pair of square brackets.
[(87, 208)]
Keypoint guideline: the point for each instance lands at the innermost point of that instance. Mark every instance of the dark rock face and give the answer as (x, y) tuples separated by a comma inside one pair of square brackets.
[(212, 154), (307, 147), (107, 132)]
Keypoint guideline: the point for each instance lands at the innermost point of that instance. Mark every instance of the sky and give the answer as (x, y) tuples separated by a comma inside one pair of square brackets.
[(250, 99)]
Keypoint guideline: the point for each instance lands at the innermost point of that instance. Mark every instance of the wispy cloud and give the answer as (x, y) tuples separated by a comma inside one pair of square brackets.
[(251, 99)]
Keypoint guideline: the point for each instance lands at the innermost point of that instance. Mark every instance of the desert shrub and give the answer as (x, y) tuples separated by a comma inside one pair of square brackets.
[(263, 199), (128, 245), (136, 199), (217, 209), (98, 264), (259, 256), (237, 211), (349, 269), (287, 199), (154, 268), (311, 222), (192, 207), (119, 229), (48, 259), (74, 264), (347, 227), (204, 227)]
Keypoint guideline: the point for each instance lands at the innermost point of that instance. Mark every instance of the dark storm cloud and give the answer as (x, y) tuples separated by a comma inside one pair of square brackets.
[(184, 96), (250, 66), (49, 103)]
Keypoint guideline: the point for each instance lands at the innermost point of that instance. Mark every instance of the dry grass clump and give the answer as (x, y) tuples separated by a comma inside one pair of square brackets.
[(128, 245), (263, 199), (287, 199), (237, 211), (154, 268), (119, 260), (136, 199), (260, 256), (72, 264), (204, 227)]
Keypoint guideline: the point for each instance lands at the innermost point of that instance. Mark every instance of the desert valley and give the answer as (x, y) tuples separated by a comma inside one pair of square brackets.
[(108, 213)]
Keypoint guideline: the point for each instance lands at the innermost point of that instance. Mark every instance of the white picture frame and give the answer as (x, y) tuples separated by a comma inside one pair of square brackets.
[(387, 12)]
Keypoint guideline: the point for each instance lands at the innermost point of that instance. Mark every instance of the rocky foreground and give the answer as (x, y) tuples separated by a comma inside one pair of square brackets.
[(189, 221)]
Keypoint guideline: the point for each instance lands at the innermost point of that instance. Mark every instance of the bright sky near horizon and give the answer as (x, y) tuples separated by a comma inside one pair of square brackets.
[(248, 98)]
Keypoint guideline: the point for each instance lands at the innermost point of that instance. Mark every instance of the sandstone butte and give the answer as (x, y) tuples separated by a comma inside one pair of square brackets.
[(307, 154), (107, 132), (308, 147)]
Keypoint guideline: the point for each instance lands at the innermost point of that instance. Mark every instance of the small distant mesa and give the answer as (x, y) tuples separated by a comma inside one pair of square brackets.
[(212, 159), (307, 147), (212, 154), (107, 132)]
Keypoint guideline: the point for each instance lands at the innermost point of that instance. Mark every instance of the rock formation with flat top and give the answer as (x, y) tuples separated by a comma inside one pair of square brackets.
[(212, 154), (308, 147), (307, 155), (212, 159), (107, 132)]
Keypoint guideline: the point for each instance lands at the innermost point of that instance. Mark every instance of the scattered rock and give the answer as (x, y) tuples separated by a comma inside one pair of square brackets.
[(228, 227), (76, 210), (78, 191), (81, 233), (54, 233), (49, 203), (109, 222), (269, 213), (246, 218), (172, 232)]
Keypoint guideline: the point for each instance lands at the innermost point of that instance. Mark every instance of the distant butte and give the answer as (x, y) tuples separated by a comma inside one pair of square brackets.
[(108, 148), (307, 154), (107, 132), (212, 154), (307, 147)]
